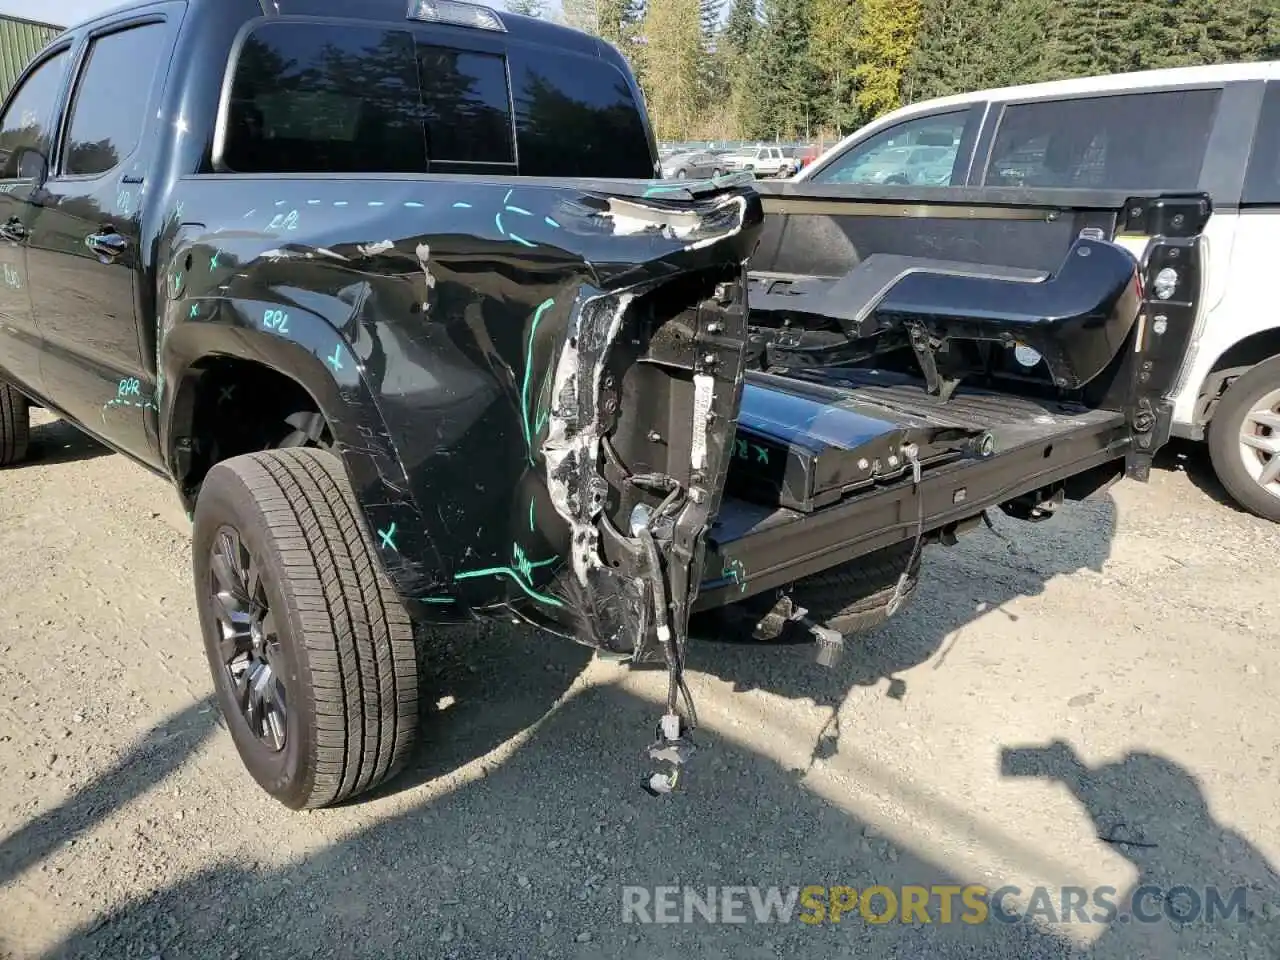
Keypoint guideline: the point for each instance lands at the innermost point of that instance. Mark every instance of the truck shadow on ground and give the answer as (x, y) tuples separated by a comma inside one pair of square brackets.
[(975, 578), (162, 751), (59, 442), (531, 861), (463, 714)]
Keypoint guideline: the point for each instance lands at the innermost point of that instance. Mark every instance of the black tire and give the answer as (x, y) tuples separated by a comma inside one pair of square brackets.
[(855, 597), (1224, 438), (717, 172), (15, 426), (344, 642), (681, 174)]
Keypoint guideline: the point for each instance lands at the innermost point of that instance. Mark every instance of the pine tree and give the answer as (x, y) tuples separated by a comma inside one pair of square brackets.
[(886, 37), (741, 26), (709, 16), (786, 82), (672, 54), (968, 45), (832, 50), (739, 43), (1096, 36)]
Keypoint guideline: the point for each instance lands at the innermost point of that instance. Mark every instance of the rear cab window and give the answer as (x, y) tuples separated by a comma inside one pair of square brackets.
[(312, 96), (1122, 141)]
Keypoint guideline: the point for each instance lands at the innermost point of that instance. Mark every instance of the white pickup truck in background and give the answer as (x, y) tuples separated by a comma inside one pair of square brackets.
[(1132, 132)]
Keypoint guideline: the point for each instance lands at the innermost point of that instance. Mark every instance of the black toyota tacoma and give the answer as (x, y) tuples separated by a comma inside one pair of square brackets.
[(390, 292)]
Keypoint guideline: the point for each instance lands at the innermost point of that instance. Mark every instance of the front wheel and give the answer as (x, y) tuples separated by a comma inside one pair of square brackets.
[(1244, 440), (681, 174), (15, 426), (311, 651)]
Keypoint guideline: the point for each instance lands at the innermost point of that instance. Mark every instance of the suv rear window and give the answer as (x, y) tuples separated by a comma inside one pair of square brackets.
[(1262, 184), (1121, 142)]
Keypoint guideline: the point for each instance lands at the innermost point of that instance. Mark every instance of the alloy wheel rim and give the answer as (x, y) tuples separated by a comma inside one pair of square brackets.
[(1260, 442), (248, 643)]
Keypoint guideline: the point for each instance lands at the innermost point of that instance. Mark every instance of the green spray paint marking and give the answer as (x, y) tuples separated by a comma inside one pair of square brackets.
[(528, 373), (521, 574), (742, 451), (530, 516), (687, 185), (389, 538), (735, 571), (128, 394), (435, 599)]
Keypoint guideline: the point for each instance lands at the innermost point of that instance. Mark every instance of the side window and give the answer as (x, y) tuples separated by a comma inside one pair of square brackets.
[(1262, 183), (885, 157), (109, 107), (325, 97), (576, 117), (28, 122), (1121, 142), (466, 105)]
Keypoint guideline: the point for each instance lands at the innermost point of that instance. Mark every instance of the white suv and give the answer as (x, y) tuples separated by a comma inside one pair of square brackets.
[(763, 162), (1111, 136)]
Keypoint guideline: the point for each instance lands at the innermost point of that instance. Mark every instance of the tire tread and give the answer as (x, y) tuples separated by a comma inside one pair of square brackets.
[(15, 426), (358, 638)]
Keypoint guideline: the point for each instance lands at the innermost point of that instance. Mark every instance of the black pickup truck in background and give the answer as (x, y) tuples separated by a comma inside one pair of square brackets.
[(390, 293)]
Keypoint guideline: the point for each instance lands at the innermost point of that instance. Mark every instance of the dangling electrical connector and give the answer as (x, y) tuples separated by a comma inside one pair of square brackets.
[(673, 748), (911, 453), (1009, 544)]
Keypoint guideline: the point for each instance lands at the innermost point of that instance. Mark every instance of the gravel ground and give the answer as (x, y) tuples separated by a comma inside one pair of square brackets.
[(1140, 629)]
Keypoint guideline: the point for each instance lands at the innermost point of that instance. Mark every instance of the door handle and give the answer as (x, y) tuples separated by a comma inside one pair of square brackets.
[(106, 244), (13, 229)]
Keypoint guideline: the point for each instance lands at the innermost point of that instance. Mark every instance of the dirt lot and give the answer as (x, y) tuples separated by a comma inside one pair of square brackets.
[(1142, 630)]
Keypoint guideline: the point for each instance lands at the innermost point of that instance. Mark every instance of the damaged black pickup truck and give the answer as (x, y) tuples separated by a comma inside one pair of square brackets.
[(390, 293)]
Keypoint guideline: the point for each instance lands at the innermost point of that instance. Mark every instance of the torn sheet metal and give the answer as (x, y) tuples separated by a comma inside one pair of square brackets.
[(457, 341)]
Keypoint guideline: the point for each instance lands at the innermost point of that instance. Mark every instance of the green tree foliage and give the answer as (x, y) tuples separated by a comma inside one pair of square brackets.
[(968, 45), (787, 81), (794, 68), (672, 59), (739, 46), (833, 50), (715, 67), (886, 37)]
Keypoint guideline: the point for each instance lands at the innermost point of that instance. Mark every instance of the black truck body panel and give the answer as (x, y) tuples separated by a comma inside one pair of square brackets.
[(431, 334)]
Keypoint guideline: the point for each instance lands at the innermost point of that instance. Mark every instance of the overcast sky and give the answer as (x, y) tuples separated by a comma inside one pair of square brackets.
[(66, 12)]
